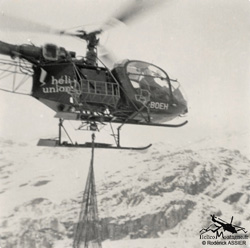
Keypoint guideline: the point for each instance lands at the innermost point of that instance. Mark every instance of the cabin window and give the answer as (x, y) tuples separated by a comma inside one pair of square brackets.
[(146, 77)]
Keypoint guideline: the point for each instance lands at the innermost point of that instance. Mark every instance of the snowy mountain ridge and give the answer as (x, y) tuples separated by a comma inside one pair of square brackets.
[(148, 194)]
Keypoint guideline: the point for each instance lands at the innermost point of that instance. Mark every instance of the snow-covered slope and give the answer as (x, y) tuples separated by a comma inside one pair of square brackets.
[(162, 193)]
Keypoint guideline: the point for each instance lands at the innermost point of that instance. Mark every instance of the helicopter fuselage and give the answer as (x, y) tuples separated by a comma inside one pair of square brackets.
[(134, 90)]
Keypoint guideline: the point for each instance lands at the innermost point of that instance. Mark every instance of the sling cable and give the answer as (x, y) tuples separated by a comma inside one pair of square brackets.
[(88, 229)]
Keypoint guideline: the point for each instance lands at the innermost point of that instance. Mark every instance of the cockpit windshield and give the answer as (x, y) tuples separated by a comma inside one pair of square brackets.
[(148, 79)]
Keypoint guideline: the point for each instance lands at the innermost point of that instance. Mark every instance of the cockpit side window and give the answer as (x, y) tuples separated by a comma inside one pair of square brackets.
[(147, 77)]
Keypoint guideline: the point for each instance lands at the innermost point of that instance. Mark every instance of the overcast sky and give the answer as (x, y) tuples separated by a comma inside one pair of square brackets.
[(203, 43)]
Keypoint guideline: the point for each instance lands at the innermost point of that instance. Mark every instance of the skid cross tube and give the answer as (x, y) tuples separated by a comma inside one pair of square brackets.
[(117, 136), (60, 132), (118, 139)]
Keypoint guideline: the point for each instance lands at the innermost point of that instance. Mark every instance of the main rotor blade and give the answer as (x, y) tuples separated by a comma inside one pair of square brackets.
[(129, 12), (239, 227), (136, 8), (221, 220), (231, 220), (107, 57), (11, 23)]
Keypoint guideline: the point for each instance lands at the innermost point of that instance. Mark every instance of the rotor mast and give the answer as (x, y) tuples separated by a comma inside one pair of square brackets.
[(92, 43)]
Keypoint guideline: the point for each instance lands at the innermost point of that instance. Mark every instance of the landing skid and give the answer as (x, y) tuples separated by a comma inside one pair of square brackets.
[(91, 127), (55, 143)]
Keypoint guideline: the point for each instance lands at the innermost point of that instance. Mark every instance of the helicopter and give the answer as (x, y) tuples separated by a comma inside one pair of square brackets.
[(229, 227), (86, 90)]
